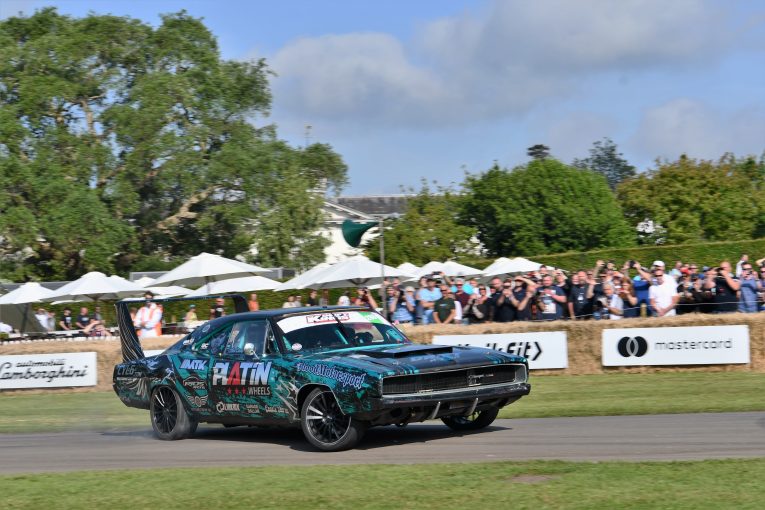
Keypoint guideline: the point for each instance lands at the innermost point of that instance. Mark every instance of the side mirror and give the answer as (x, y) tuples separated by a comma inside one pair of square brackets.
[(249, 349)]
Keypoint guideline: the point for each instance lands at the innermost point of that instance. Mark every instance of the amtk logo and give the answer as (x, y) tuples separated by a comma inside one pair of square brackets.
[(629, 346), (194, 364)]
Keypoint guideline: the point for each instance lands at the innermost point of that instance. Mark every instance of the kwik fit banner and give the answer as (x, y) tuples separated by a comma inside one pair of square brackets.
[(48, 370), (701, 345), (545, 349)]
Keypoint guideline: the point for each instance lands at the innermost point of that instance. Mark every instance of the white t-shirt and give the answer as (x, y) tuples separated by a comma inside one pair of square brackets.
[(615, 302), (663, 294), (344, 301)]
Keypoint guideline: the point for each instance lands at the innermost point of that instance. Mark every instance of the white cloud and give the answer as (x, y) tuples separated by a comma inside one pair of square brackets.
[(686, 126), (503, 60)]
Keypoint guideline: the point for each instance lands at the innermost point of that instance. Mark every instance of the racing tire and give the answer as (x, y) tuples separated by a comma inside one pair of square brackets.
[(325, 425), (169, 418), (477, 420)]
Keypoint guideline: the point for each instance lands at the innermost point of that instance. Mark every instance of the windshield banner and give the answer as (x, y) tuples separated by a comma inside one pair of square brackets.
[(296, 322)]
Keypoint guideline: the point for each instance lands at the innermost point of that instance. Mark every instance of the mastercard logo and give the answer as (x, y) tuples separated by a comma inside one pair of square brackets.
[(632, 346)]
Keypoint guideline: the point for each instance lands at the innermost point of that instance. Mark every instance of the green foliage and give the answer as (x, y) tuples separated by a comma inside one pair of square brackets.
[(428, 230), (543, 207), (692, 200), (607, 161), (119, 142)]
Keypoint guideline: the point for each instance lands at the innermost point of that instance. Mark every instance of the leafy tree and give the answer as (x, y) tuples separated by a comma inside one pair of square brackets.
[(696, 200), (427, 231), (606, 160), (542, 207), (120, 141), (538, 151)]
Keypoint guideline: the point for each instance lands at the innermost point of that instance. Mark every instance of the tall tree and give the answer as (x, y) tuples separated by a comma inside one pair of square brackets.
[(538, 151), (696, 200), (145, 138), (543, 207), (428, 230), (606, 160)]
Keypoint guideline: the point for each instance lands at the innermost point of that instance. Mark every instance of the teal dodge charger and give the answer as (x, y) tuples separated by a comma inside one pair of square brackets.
[(334, 371)]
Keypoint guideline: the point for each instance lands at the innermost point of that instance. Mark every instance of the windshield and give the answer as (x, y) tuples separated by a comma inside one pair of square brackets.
[(337, 330)]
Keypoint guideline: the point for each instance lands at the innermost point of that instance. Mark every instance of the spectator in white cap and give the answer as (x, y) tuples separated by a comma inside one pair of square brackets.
[(659, 264)]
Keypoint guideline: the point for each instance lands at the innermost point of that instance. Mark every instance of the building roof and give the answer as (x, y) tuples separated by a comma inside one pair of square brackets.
[(375, 204)]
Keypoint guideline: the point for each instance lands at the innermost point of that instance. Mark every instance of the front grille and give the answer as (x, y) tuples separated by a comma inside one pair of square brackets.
[(452, 379)]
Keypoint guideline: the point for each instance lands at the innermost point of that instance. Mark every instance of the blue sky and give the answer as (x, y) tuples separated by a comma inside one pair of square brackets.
[(407, 90)]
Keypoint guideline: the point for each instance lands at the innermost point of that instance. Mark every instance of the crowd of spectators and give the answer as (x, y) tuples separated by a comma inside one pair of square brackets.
[(607, 291)]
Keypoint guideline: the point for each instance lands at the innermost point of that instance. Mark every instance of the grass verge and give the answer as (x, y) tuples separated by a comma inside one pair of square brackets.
[(702, 484), (585, 395)]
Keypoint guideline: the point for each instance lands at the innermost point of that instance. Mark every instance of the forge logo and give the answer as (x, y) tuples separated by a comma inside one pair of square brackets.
[(632, 346)]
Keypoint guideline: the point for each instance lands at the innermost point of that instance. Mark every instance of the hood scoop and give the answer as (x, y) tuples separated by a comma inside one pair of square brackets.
[(409, 350)]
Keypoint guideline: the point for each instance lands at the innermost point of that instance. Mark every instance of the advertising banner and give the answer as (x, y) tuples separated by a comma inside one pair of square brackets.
[(48, 370), (701, 345), (545, 349)]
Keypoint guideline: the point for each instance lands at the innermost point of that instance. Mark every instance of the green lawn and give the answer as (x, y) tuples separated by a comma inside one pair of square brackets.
[(705, 484), (590, 395)]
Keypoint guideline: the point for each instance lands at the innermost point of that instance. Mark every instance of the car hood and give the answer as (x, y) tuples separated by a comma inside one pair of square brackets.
[(412, 358)]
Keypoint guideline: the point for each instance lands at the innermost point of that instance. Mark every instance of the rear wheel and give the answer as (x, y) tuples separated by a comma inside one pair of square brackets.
[(324, 424), (475, 421), (169, 418)]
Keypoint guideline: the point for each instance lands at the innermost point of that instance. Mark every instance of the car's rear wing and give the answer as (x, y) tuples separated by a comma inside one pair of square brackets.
[(131, 345)]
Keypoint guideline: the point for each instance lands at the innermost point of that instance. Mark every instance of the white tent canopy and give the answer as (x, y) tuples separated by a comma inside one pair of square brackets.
[(169, 291), (409, 267), (353, 272), (246, 284), (205, 268), (509, 266), (144, 281), (94, 286), (297, 282), (30, 292), (450, 268)]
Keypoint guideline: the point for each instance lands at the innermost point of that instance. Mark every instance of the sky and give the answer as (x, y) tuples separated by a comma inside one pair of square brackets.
[(431, 89)]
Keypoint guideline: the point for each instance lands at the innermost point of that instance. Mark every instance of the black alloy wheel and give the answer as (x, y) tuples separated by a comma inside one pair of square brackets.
[(169, 418), (474, 421), (324, 424)]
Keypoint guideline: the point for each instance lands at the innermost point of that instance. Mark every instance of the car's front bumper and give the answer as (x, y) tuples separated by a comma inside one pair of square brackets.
[(423, 399)]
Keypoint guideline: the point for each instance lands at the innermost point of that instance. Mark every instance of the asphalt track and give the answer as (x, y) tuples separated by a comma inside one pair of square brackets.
[(633, 438)]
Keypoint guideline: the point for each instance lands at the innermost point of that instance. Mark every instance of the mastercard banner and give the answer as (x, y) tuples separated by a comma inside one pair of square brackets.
[(702, 345)]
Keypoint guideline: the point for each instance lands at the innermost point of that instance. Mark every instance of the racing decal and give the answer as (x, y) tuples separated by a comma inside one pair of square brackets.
[(248, 378), (318, 318), (194, 364), (197, 401), (276, 410), (194, 383), (330, 372), (374, 318), (287, 393), (226, 406), (127, 371), (252, 408)]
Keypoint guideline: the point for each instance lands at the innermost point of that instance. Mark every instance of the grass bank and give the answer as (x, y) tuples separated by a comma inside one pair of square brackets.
[(703, 484), (551, 396)]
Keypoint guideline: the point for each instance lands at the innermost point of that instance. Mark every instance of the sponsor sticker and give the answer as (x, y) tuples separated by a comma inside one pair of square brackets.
[(194, 383), (194, 364), (330, 372), (227, 407), (242, 377), (197, 401)]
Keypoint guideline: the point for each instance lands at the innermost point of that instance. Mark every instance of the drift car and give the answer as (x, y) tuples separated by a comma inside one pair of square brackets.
[(334, 371)]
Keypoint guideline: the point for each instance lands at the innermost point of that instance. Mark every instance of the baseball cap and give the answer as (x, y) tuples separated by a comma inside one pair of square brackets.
[(658, 263)]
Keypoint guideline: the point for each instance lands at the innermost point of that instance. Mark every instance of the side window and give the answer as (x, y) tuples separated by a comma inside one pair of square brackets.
[(242, 333), (271, 346), (211, 342)]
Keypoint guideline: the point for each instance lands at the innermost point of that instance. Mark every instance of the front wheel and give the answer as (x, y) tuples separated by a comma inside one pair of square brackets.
[(475, 421), (324, 424), (169, 418)]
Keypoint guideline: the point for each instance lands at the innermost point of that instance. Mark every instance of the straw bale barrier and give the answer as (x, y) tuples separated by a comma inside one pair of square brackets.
[(584, 344)]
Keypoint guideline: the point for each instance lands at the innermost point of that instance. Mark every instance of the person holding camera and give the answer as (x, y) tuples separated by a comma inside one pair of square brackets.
[(401, 305), (749, 287), (364, 298), (579, 305), (612, 304), (445, 309), (726, 287)]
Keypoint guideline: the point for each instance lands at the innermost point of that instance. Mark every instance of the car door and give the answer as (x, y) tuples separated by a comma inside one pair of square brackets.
[(193, 366), (241, 378)]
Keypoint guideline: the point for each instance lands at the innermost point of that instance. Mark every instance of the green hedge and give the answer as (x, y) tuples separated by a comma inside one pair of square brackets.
[(703, 254)]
